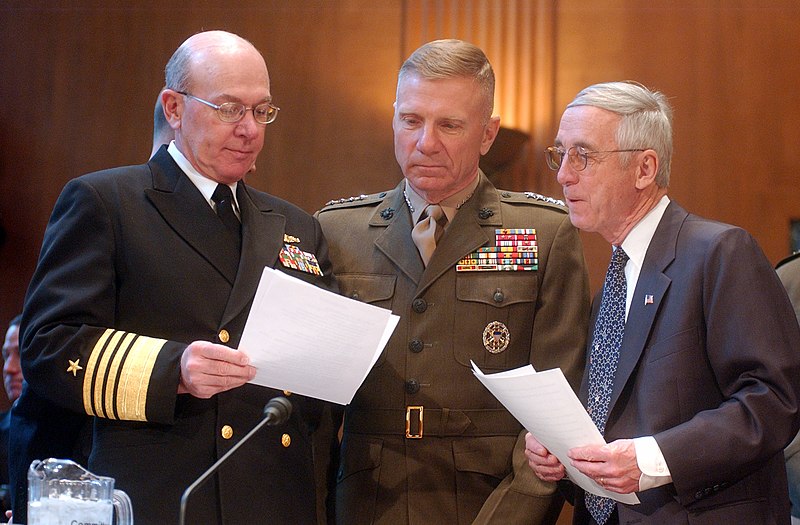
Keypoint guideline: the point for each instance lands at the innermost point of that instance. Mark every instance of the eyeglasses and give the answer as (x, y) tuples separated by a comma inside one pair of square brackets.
[(577, 156), (264, 113)]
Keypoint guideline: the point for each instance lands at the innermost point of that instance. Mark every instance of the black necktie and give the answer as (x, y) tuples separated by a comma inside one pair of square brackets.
[(603, 358), (223, 199)]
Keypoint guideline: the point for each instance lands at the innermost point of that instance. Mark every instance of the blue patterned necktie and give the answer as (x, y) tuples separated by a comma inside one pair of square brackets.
[(603, 359)]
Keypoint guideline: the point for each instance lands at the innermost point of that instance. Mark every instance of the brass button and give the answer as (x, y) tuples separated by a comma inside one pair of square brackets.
[(286, 440), (287, 393), (224, 336), (227, 432)]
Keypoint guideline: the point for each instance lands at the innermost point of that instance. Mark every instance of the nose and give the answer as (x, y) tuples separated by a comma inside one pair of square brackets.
[(428, 142), (11, 364), (248, 126), (565, 174)]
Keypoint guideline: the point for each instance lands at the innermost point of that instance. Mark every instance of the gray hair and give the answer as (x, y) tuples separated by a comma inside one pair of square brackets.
[(177, 72), (443, 59), (646, 121)]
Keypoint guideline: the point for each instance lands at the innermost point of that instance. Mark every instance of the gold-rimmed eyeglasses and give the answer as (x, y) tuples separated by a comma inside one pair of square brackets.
[(577, 156), (264, 113)]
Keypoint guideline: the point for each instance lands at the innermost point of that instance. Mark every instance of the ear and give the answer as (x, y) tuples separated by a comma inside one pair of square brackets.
[(646, 169), (489, 134), (173, 103)]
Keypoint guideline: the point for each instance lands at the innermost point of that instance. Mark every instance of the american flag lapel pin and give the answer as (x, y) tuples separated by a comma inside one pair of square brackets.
[(648, 299)]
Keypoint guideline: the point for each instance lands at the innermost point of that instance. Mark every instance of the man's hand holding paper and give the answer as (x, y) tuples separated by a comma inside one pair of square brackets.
[(310, 341), (548, 408)]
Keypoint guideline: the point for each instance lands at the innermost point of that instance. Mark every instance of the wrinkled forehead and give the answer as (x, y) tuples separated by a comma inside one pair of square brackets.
[(587, 126)]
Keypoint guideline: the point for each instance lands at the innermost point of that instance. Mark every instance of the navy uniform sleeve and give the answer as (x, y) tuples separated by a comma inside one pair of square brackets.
[(72, 356)]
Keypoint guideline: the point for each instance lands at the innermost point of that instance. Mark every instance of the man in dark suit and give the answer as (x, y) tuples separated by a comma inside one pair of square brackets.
[(424, 441), (140, 297), (697, 390)]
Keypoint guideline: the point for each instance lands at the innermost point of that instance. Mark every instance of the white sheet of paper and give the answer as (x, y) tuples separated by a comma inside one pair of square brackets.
[(545, 404), (310, 341)]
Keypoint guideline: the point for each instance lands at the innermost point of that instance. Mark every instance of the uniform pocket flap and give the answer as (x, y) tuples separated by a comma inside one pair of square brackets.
[(497, 288), (368, 288)]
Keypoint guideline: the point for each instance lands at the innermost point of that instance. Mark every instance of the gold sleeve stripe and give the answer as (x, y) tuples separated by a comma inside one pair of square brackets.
[(109, 386), (88, 377), (101, 370), (118, 375), (135, 378)]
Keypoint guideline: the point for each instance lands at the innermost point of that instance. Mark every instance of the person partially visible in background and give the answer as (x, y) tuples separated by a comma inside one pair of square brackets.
[(12, 381), (163, 133), (789, 273)]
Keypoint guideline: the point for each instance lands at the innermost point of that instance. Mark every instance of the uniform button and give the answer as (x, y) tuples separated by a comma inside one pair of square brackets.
[(498, 296), (227, 432), (287, 393), (224, 336), (416, 346), (354, 295), (412, 386), (698, 494), (286, 440), (419, 305)]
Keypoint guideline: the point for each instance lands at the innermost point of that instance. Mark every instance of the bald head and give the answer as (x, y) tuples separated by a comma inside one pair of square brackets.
[(202, 52)]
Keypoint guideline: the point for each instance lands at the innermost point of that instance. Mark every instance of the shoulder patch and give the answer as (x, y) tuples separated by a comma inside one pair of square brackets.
[(358, 200), (529, 196)]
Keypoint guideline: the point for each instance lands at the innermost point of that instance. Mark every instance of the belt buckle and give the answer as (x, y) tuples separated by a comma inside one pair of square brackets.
[(419, 410)]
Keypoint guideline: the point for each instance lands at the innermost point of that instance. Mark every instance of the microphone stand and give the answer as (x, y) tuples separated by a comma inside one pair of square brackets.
[(277, 411)]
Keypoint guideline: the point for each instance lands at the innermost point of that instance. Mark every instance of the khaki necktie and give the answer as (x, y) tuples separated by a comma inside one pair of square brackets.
[(428, 231)]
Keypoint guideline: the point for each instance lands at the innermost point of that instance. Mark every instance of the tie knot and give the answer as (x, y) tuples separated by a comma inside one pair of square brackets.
[(222, 194), (436, 213), (619, 258)]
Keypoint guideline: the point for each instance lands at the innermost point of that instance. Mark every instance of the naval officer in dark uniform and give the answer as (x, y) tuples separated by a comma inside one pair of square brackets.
[(141, 293), (424, 442)]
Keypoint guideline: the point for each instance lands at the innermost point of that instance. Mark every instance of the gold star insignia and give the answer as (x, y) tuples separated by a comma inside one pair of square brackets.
[(74, 367)]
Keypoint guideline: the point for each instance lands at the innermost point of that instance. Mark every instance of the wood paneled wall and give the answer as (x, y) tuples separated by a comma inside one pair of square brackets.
[(79, 80)]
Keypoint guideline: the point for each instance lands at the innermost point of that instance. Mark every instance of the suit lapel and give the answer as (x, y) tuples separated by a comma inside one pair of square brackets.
[(648, 296), (395, 242), (183, 207), (262, 240)]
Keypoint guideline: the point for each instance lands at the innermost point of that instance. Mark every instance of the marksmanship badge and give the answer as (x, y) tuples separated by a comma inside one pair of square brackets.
[(496, 337)]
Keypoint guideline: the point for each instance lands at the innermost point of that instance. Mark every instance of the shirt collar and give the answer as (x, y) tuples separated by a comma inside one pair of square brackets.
[(203, 183), (450, 205), (638, 240)]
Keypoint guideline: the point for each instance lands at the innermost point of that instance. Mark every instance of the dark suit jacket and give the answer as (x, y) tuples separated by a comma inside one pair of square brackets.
[(709, 368), (129, 274), (469, 466)]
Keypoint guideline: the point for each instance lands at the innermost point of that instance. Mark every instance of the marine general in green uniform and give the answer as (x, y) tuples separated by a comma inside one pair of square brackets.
[(424, 442)]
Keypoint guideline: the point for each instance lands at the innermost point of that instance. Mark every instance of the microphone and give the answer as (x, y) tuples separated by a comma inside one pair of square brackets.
[(276, 412)]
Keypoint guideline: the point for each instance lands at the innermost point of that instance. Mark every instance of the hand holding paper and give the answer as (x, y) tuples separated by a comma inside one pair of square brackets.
[(548, 408), (310, 341)]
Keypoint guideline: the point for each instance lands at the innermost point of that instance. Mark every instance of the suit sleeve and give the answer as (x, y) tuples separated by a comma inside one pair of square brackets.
[(750, 340), (559, 339), (72, 355)]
